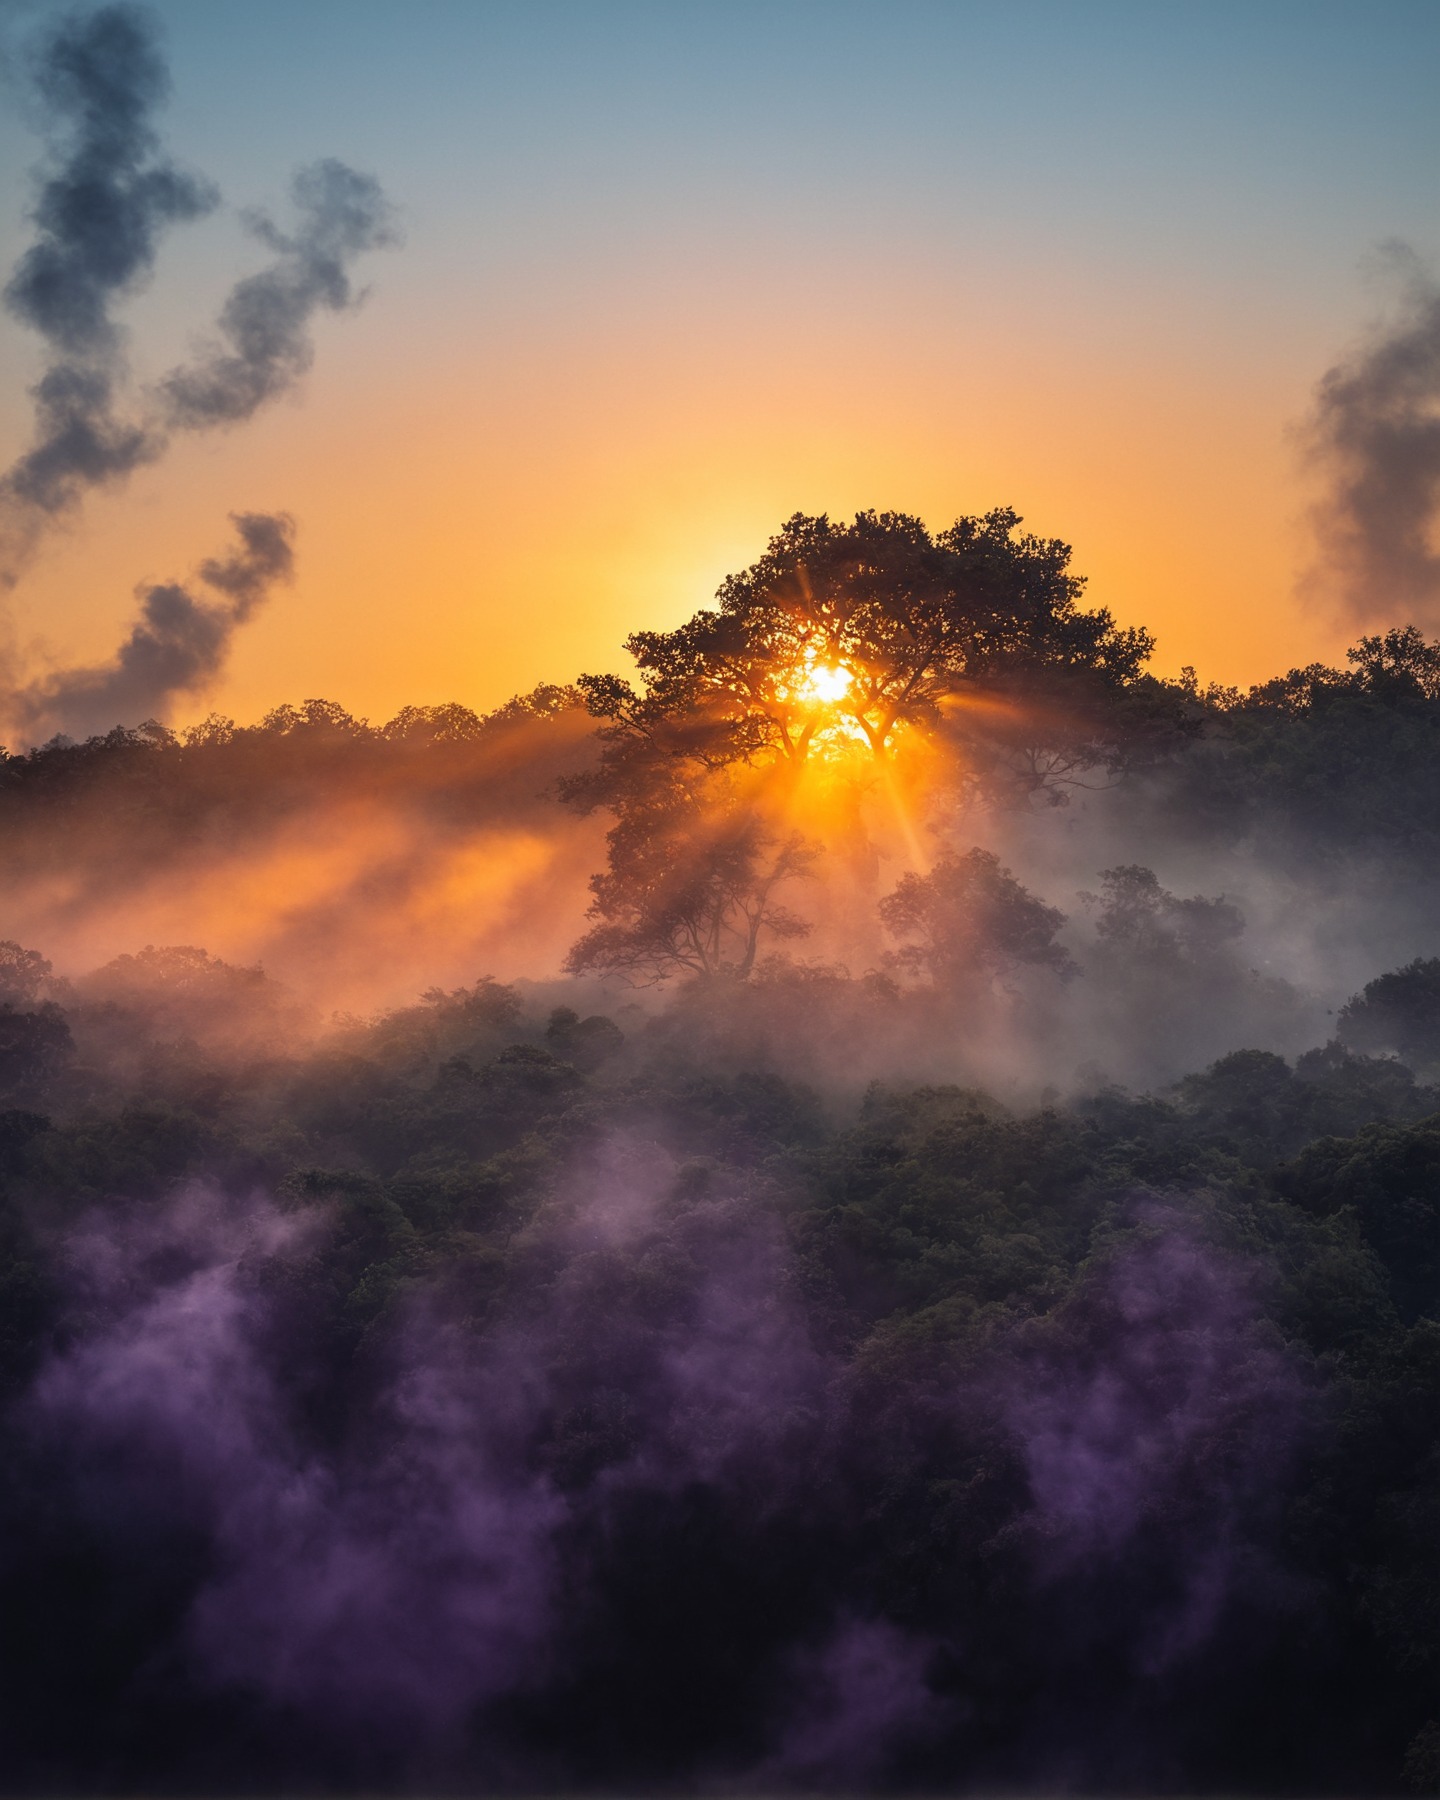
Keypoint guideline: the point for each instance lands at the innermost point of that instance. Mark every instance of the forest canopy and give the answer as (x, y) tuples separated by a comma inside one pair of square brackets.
[(938, 1293)]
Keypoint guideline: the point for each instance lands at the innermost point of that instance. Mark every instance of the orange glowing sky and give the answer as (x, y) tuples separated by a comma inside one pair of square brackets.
[(667, 282)]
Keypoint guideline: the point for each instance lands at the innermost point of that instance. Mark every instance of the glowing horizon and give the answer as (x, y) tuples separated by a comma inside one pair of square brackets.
[(667, 281)]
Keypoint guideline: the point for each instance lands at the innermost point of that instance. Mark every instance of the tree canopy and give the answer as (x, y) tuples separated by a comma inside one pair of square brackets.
[(850, 634), (1398, 1012), (970, 922), (689, 891), (773, 1383)]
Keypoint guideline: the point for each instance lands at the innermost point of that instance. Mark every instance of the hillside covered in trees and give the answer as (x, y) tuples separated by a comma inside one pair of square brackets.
[(929, 1284)]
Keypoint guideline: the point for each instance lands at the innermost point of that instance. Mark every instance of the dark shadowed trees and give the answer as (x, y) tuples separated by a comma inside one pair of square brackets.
[(1139, 921), (1174, 970), (970, 924), (1398, 1012), (586, 1043), (690, 890), (24, 975), (1347, 760), (33, 1047)]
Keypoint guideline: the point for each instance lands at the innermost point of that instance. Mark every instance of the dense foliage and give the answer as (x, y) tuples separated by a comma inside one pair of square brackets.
[(495, 1395), (1348, 759), (920, 624)]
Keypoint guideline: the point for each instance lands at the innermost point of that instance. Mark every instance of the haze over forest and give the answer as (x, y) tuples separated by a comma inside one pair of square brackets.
[(849, 1202)]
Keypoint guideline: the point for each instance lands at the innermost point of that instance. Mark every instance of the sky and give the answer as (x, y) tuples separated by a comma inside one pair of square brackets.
[(671, 273)]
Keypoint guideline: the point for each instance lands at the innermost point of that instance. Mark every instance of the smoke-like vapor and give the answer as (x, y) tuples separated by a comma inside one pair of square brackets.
[(387, 1596), (100, 215), (1376, 431), (851, 1703), (265, 321), (1173, 1418), (316, 1597), (469, 1538), (177, 645)]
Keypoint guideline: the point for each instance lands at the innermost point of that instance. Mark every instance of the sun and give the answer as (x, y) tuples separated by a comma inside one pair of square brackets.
[(825, 685)]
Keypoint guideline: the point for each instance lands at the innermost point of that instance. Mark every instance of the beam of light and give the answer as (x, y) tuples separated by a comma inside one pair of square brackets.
[(900, 811)]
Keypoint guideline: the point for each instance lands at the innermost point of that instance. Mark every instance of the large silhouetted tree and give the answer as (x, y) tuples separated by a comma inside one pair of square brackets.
[(853, 633), (841, 638)]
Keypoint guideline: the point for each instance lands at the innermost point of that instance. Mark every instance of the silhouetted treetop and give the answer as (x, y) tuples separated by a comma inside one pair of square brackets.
[(970, 923), (1345, 756), (1396, 669), (854, 632), (1398, 1012), (1139, 917), (690, 891)]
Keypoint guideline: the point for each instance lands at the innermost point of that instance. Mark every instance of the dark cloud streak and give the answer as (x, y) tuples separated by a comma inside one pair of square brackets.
[(266, 317), (1376, 433), (177, 645), (109, 197), (102, 212)]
